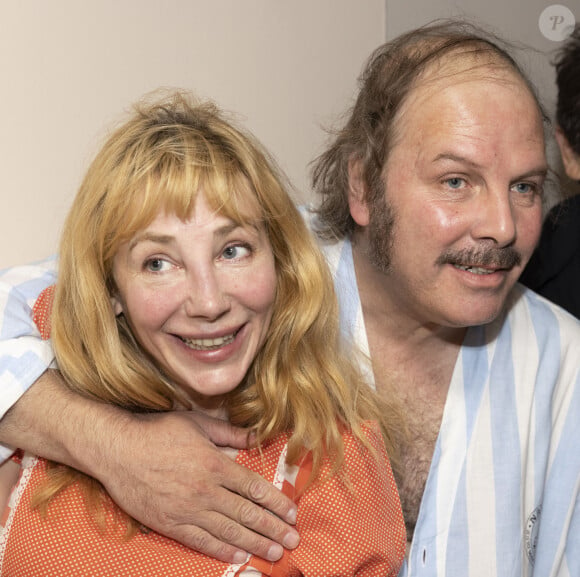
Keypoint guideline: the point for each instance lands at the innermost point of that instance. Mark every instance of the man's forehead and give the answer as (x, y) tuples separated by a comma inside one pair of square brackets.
[(447, 73), (457, 109)]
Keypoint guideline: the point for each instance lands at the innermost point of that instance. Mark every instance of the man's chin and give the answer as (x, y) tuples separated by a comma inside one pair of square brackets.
[(475, 313)]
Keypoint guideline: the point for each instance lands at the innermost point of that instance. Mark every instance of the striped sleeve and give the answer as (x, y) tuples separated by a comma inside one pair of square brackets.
[(24, 356)]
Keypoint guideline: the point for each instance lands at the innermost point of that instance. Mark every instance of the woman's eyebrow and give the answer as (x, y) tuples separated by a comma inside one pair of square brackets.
[(165, 239), (151, 237)]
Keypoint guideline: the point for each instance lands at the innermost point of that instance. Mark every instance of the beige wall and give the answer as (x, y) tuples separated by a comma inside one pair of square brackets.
[(69, 67)]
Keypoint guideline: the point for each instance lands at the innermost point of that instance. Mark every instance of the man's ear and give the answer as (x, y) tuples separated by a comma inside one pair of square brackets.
[(357, 192), (570, 159)]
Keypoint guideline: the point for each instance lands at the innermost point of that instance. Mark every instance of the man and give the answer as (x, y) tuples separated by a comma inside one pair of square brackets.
[(554, 269), (434, 185), (434, 189)]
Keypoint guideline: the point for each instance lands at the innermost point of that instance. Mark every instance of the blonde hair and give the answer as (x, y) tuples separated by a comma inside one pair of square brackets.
[(301, 380)]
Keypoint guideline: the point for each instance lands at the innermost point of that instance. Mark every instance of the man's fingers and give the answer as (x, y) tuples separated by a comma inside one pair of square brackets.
[(220, 432), (226, 530), (202, 541), (173, 479), (266, 524), (256, 489), (257, 505)]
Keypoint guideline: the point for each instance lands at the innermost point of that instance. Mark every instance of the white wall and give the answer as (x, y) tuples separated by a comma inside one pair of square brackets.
[(70, 67)]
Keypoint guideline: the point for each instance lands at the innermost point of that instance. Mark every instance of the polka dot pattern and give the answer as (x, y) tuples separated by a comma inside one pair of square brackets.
[(42, 310), (350, 523)]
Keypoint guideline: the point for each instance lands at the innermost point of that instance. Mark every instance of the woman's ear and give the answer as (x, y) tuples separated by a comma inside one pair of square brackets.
[(357, 192), (570, 159), (117, 305)]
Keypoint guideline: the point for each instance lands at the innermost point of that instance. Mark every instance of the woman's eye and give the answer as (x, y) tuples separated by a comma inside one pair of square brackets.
[(156, 265), (235, 251)]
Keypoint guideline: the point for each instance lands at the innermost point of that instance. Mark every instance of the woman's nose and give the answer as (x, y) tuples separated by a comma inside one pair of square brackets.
[(206, 297)]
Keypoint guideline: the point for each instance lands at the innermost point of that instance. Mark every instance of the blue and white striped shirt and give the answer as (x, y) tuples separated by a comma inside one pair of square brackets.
[(501, 498)]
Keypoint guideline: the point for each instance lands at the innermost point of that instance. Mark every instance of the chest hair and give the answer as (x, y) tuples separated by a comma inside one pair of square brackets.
[(423, 420), (421, 397)]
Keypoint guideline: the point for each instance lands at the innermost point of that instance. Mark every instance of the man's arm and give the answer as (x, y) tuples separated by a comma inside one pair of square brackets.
[(162, 469)]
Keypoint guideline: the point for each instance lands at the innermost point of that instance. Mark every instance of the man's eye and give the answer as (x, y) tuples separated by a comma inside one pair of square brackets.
[(526, 193), (235, 251), (525, 188), (455, 182)]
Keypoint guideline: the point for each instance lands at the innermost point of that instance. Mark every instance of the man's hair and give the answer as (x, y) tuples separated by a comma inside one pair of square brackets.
[(567, 65), (390, 75)]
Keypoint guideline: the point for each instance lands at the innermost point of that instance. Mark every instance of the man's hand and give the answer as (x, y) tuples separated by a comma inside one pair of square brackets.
[(162, 469), (170, 476)]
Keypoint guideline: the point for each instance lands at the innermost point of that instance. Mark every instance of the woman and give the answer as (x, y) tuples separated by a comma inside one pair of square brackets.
[(187, 279)]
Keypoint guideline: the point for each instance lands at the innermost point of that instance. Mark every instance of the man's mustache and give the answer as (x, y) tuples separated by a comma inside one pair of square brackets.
[(504, 258)]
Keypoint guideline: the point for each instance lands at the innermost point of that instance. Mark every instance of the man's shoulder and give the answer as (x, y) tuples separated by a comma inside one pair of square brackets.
[(544, 317)]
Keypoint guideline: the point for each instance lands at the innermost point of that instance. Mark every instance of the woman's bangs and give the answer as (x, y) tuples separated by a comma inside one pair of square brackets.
[(170, 183), (229, 193)]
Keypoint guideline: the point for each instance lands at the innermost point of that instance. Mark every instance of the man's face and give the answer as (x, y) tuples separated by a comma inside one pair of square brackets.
[(463, 185)]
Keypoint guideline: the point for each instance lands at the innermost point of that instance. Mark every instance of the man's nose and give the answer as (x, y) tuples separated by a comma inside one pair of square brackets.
[(495, 217)]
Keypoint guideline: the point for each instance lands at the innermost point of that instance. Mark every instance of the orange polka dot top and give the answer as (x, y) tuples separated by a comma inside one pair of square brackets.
[(346, 528)]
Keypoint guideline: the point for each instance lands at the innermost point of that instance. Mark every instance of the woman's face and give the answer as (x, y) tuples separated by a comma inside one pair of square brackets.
[(198, 296)]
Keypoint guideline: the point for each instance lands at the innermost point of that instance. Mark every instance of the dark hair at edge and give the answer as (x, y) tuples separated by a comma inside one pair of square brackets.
[(387, 79), (567, 63)]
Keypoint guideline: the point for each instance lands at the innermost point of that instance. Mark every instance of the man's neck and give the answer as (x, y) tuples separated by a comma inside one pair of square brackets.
[(413, 364)]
